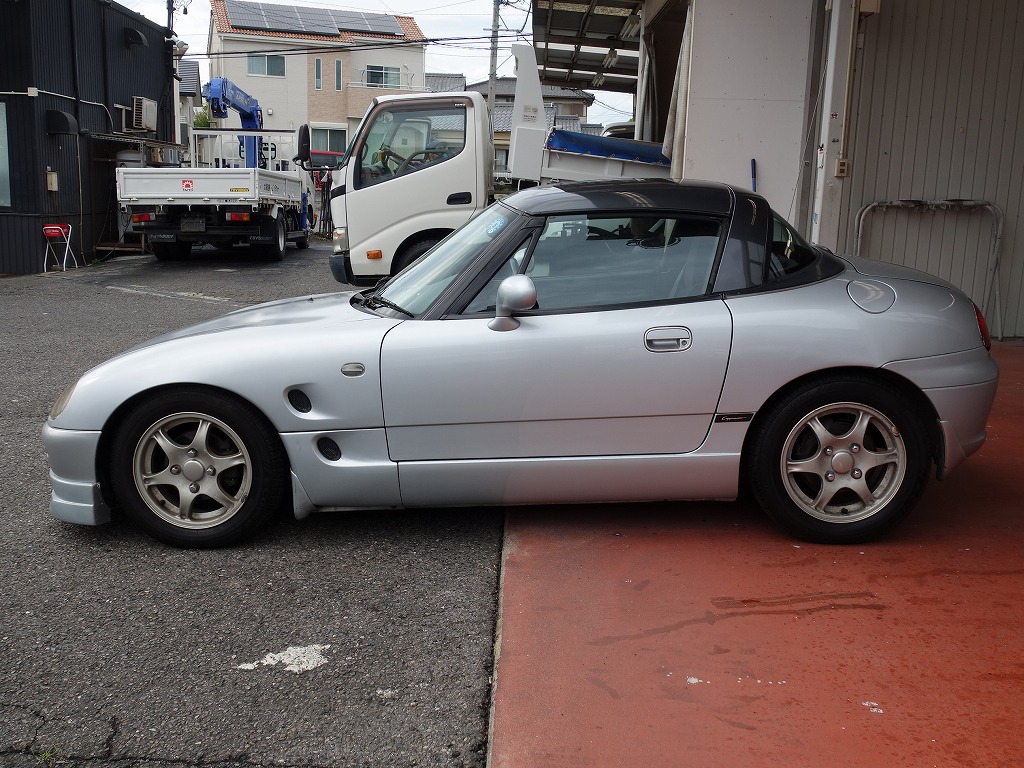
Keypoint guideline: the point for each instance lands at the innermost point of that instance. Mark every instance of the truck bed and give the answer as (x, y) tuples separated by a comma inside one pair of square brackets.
[(570, 156), (207, 186)]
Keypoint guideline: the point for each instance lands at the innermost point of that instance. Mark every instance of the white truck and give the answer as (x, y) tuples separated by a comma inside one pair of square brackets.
[(421, 165), (240, 187)]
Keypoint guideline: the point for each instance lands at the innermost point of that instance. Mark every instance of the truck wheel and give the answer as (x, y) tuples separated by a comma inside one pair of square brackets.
[(175, 251), (410, 254), (275, 251)]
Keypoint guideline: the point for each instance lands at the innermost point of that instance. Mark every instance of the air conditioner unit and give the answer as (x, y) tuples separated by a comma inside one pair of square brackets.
[(143, 114)]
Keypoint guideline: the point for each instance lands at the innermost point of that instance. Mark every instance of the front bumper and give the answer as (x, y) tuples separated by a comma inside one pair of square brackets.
[(76, 496), (341, 268)]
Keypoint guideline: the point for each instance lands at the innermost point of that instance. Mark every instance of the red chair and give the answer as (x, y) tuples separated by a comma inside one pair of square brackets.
[(58, 236)]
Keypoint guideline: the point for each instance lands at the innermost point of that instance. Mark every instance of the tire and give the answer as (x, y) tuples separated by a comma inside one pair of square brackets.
[(411, 253), (198, 468), (176, 251), (840, 461), (276, 249)]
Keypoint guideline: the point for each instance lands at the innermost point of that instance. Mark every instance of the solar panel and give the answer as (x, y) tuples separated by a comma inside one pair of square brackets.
[(373, 23), (245, 15), (312, 21)]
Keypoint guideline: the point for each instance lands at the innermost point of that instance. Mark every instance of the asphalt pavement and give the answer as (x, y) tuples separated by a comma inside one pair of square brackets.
[(342, 640)]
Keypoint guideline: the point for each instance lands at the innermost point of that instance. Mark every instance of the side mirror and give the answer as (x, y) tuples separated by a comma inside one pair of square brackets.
[(303, 145), (515, 294)]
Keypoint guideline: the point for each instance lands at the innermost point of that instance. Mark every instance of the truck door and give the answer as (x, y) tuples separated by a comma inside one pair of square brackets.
[(415, 167)]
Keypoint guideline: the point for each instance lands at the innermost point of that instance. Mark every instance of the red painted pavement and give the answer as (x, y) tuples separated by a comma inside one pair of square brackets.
[(699, 635)]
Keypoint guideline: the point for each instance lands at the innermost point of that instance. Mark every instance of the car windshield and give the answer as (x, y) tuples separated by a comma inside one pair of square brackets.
[(418, 286)]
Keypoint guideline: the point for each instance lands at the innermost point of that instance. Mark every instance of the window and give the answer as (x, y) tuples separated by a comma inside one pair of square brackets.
[(790, 252), (337, 74), (318, 75), (266, 64), (5, 159), (383, 77), (327, 139), (582, 261), (408, 139)]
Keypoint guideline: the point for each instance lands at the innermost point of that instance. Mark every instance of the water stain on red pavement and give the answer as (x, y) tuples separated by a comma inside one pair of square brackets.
[(699, 635)]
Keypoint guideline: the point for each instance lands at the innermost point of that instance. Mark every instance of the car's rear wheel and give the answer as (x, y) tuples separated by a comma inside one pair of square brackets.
[(840, 461), (198, 469)]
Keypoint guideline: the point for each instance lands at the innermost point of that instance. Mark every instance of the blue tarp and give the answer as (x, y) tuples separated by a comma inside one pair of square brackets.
[(605, 146)]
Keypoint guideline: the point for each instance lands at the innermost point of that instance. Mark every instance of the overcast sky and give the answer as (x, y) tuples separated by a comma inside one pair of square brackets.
[(437, 19)]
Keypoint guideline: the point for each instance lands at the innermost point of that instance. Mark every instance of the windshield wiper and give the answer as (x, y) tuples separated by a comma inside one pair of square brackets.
[(373, 301)]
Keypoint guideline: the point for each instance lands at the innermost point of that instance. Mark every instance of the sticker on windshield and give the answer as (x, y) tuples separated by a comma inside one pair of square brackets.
[(496, 226)]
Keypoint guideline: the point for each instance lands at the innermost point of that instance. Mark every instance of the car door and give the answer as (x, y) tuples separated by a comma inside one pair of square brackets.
[(623, 355)]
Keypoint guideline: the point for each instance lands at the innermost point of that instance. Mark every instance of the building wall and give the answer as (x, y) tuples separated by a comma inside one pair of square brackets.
[(74, 53), (749, 70), (294, 98), (284, 99), (938, 102)]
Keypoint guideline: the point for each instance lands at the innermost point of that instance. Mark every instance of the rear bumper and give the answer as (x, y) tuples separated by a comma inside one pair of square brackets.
[(76, 496), (961, 387)]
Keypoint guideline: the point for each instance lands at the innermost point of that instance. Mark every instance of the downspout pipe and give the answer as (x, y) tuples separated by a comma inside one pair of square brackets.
[(77, 82)]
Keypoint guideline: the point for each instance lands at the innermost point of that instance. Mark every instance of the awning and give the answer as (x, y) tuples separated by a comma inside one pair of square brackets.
[(588, 45)]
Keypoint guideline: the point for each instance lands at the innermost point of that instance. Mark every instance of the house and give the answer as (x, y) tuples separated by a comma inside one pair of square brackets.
[(190, 96), (566, 101), (84, 86), (314, 65)]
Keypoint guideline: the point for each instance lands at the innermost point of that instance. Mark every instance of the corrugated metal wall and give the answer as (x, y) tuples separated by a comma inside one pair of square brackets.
[(938, 102)]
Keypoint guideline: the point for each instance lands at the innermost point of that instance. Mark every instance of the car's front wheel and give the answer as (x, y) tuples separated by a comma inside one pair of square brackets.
[(198, 469), (840, 461)]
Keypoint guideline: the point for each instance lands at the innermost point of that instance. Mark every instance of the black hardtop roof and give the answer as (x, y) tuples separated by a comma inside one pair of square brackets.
[(626, 194)]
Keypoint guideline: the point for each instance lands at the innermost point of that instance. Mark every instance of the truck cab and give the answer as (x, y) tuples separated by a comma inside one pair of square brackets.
[(418, 168)]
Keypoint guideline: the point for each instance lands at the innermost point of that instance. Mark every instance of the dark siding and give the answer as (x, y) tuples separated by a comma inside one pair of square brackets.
[(75, 51)]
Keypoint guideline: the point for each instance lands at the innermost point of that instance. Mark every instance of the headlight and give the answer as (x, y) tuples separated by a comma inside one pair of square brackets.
[(62, 401), (340, 239)]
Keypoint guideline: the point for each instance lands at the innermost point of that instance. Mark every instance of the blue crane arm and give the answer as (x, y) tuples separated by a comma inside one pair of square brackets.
[(224, 95)]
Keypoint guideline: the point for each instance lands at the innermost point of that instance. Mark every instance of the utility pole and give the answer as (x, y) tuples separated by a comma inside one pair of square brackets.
[(494, 58)]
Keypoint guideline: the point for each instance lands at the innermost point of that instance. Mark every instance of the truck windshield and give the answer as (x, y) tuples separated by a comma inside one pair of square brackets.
[(422, 282)]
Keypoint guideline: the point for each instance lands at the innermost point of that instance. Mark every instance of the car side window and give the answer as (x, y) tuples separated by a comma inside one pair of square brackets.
[(582, 261), (587, 261), (789, 252), (485, 300)]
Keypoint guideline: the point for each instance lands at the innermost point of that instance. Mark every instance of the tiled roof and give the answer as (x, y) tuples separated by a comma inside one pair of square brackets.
[(501, 120), (506, 86), (442, 81), (568, 123), (221, 23), (188, 71)]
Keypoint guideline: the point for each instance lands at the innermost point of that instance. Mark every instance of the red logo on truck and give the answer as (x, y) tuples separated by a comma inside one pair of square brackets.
[(186, 185)]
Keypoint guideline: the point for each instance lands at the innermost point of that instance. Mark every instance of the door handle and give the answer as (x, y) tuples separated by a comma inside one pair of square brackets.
[(460, 198), (668, 339)]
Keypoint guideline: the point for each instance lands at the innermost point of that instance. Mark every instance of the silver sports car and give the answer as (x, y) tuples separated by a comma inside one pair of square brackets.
[(593, 342)]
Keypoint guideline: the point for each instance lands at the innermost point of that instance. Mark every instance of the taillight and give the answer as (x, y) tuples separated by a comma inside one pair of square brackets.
[(138, 218), (983, 327)]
